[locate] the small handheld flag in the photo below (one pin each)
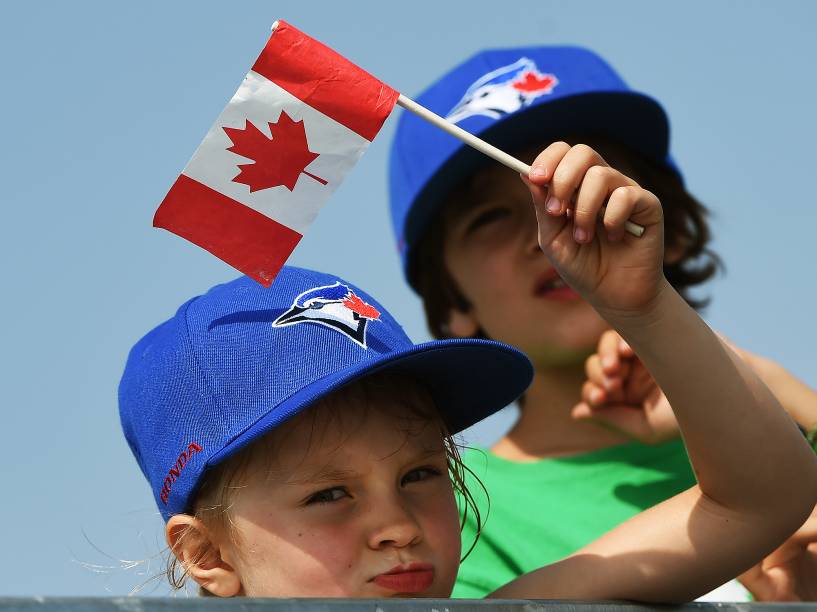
(300, 120)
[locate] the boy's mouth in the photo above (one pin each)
(408, 578)
(552, 287)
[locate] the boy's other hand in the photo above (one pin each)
(790, 572)
(621, 394)
(613, 270)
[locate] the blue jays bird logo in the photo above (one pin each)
(503, 91)
(335, 306)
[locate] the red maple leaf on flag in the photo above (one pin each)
(534, 82)
(279, 160)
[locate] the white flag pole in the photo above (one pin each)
(482, 146)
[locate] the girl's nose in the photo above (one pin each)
(394, 525)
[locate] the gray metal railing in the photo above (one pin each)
(140, 604)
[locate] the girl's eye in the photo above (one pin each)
(486, 217)
(420, 474)
(327, 496)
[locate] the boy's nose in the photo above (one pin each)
(532, 247)
(529, 232)
(394, 525)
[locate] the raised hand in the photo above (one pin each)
(613, 270)
(746, 502)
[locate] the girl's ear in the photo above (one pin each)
(201, 556)
(462, 324)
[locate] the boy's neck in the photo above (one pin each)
(545, 427)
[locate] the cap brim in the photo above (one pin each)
(468, 379)
(634, 119)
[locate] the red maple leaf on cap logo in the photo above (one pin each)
(355, 304)
(279, 160)
(535, 82)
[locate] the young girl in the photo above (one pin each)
(471, 249)
(297, 443)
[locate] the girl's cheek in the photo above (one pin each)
(308, 530)
(443, 534)
(335, 538)
(302, 561)
(322, 532)
(441, 519)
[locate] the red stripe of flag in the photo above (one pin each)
(237, 234)
(326, 81)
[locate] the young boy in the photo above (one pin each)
(469, 244)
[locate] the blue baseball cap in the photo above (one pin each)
(238, 361)
(512, 98)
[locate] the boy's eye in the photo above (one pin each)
(420, 474)
(327, 496)
(486, 217)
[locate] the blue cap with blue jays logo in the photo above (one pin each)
(512, 98)
(238, 361)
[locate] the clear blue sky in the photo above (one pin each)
(106, 101)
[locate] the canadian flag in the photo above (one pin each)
(300, 120)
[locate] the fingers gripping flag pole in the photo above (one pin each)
(298, 123)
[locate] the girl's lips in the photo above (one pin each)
(411, 578)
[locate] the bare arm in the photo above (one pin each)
(621, 393)
(757, 476)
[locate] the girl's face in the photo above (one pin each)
(361, 506)
(492, 254)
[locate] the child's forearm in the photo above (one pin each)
(725, 413)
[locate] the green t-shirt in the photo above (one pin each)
(545, 510)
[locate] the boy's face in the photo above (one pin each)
(361, 506)
(492, 253)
